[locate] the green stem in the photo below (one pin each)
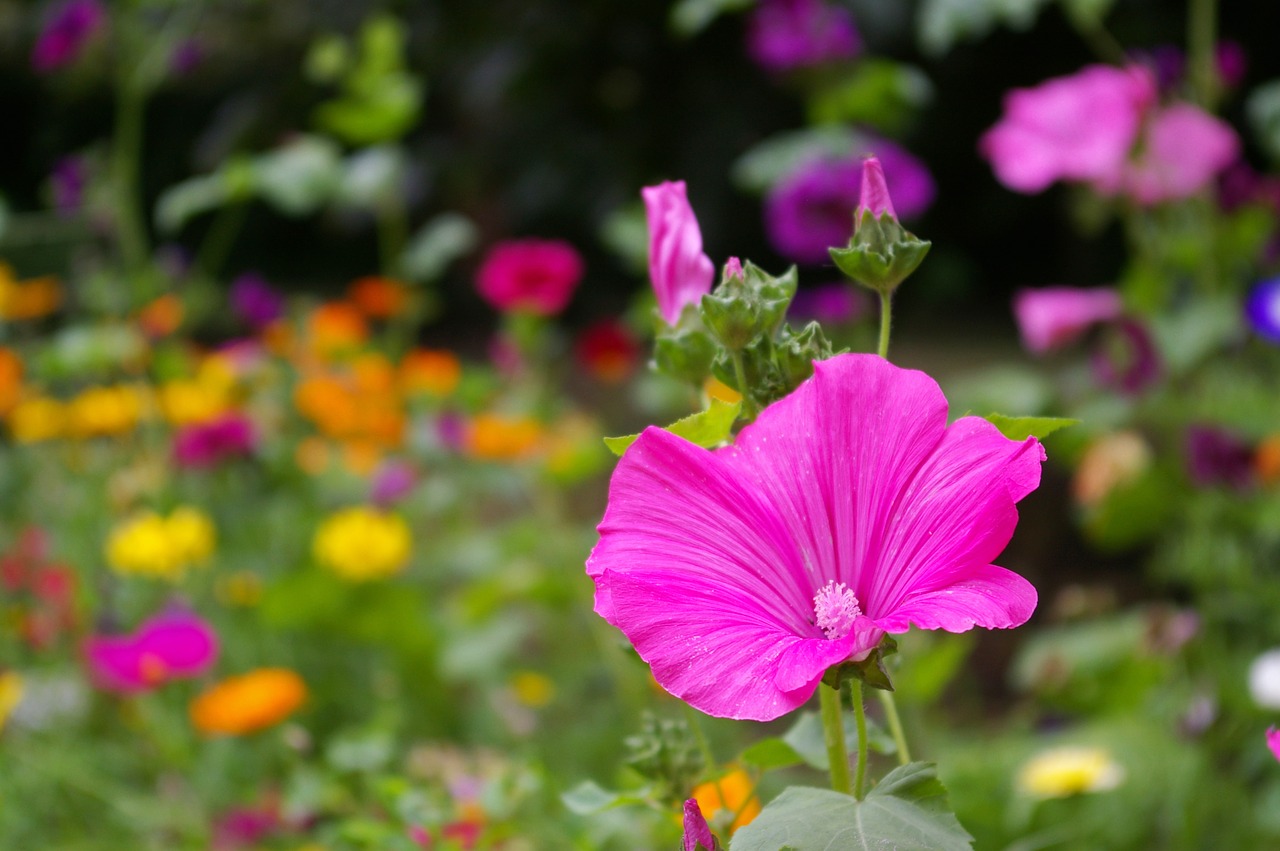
(895, 725)
(749, 411)
(393, 233)
(126, 155)
(886, 320)
(221, 235)
(833, 729)
(860, 716)
(1202, 35)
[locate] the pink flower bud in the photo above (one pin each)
(875, 192)
(681, 273)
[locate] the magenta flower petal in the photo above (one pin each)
(681, 273)
(697, 833)
(1184, 149)
(176, 644)
(1273, 741)
(847, 509)
(1051, 317)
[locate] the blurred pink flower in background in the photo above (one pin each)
(208, 443)
(533, 275)
(1051, 317)
(175, 644)
(1184, 148)
(786, 34)
(70, 28)
(680, 272)
(1273, 741)
(392, 482)
(255, 302)
(833, 303)
(847, 510)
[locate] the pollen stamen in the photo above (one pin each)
(835, 608)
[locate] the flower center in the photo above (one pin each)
(835, 608)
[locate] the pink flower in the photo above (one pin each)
(207, 443)
(874, 194)
(681, 273)
(786, 34)
(1273, 741)
(1184, 148)
(847, 510)
(1079, 127)
(73, 25)
(697, 833)
(175, 644)
(533, 275)
(1054, 316)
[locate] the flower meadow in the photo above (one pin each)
(706, 425)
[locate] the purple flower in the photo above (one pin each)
(1216, 456)
(172, 645)
(830, 304)
(1273, 741)
(255, 302)
(68, 180)
(1262, 310)
(811, 209)
(72, 26)
(205, 444)
(393, 481)
(681, 273)
(1126, 360)
(786, 34)
(697, 833)
(186, 57)
(1051, 317)
(847, 510)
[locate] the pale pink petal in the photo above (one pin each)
(1184, 149)
(681, 273)
(1051, 317)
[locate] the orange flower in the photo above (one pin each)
(494, 437)
(373, 373)
(248, 703)
(378, 297)
(734, 793)
(10, 380)
(1266, 459)
(161, 317)
(335, 328)
(29, 299)
(432, 372)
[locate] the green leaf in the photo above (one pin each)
(1020, 428)
(589, 798)
(300, 176)
(908, 811)
(1087, 13)
(943, 23)
(689, 17)
(706, 428)
(1263, 110)
(807, 739)
(877, 92)
(778, 156)
(436, 244)
(768, 754)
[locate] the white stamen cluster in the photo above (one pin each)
(835, 608)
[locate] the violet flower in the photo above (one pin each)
(175, 644)
(811, 209)
(681, 273)
(783, 35)
(847, 510)
(697, 833)
(72, 26)
(1126, 359)
(255, 302)
(1262, 310)
(68, 181)
(392, 482)
(830, 304)
(1216, 456)
(1051, 317)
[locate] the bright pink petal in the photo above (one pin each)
(114, 663)
(681, 273)
(874, 197)
(184, 644)
(1273, 741)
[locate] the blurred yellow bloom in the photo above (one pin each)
(10, 694)
(161, 547)
(106, 410)
(248, 703)
(336, 328)
(36, 419)
(494, 437)
(1266, 460)
(362, 543)
(188, 401)
(30, 299)
(1069, 770)
(533, 689)
(733, 793)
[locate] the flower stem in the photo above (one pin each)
(859, 715)
(126, 155)
(740, 373)
(895, 725)
(886, 319)
(833, 729)
(1202, 34)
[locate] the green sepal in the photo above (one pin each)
(881, 254)
(743, 308)
(685, 352)
(870, 670)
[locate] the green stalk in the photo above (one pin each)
(749, 411)
(1202, 36)
(126, 154)
(833, 730)
(895, 725)
(886, 320)
(860, 716)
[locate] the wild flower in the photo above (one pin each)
(176, 644)
(502, 437)
(531, 275)
(255, 302)
(1262, 310)
(22, 301)
(206, 444)
(247, 703)
(730, 799)
(161, 547)
(1273, 741)
(847, 510)
(378, 297)
(69, 30)
(361, 543)
(1069, 770)
(1051, 317)
(783, 35)
(608, 351)
(37, 418)
(430, 372)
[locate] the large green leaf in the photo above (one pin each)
(706, 428)
(908, 811)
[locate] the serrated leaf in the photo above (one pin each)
(908, 811)
(1020, 428)
(706, 428)
(768, 754)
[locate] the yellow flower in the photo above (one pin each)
(161, 547)
(734, 793)
(716, 389)
(248, 703)
(30, 299)
(1069, 770)
(533, 689)
(193, 401)
(10, 695)
(36, 419)
(362, 543)
(106, 410)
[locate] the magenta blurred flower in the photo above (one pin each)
(392, 482)
(1052, 317)
(1262, 310)
(173, 645)
(697, 833)
(1183, 149)
(786, 34)
(70, 28)
(829, 304)
(1126, 359)
(68, 181)
(245, 827)
(208, 443)
(1273, 741)
(1078, 127)
(681, 273)
(1216, 456)
(255, 302)
(846, 510)
(811, 209)
(533, 275)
